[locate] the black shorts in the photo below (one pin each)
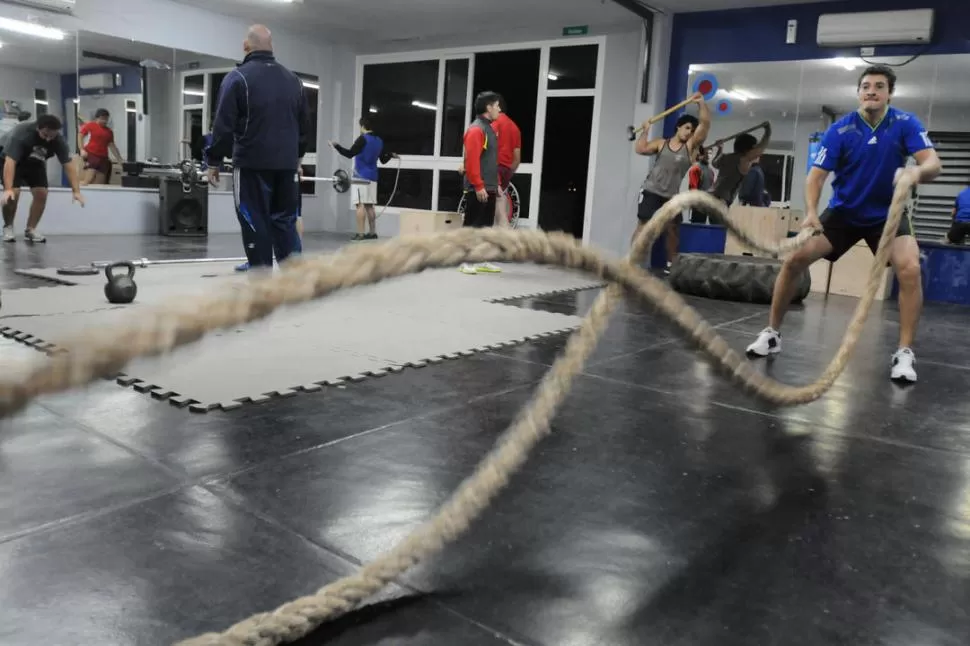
(958, 232)
(32, 173)
(843, 236)
(650, 203)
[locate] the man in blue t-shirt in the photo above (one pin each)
(960, 228)
(867, 150)
(367, 150)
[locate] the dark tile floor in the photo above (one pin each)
(667, 508)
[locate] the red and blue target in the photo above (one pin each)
(723, 107)
(706, 84)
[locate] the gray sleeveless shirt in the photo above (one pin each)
(668, 171)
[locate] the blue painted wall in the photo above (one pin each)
(758, 34)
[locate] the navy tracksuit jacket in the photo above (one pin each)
(262, 121)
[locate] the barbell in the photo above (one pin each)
(341, 180)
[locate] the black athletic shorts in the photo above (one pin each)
(843, 236)
(958, 232)
(650, 203)
(32, 173)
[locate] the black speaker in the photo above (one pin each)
(183, 213)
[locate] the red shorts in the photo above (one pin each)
(98, 164)
(504, 177)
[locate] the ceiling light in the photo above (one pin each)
(553, 77)
(373, 110)
(740, 95)
(40, 102)
(422, 104)
(193, 92)
(312, 86)
(31, 29)
(847, 63)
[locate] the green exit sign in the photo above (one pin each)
(578, 30)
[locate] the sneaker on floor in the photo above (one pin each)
(358, 236)
(667, 269)
(768, 342)
(370, 236)
(488, 268)
(243, 267)
(32, 236)
(903, 366)
(8, 235)
(465, 268)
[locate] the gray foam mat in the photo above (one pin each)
(355, 334)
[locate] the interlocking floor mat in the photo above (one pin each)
(352, 335)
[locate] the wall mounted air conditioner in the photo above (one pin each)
(56, 6)
(96, 81)
(910, 26)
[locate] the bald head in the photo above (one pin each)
(258, 39)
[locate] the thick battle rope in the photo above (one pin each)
(103, 352)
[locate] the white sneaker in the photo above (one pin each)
(488, 268)
(768, 342)
(32, 236)
(8, 235)
(465, 268)
(903, 365)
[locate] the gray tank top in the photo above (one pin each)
(668, 171)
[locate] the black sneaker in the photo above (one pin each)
(370, 236)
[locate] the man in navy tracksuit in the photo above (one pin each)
(262, 119)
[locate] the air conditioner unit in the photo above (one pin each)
(56, 6)
(96, 81)
(910, 26)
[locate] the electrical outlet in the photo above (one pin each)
(867, 51)
(791, 33)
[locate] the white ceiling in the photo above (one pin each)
(359, 22)
(779, 89)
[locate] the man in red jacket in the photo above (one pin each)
(481, 171)
(509, 158)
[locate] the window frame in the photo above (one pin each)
(438, 163)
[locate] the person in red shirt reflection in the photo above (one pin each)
(95, 152)
(509, 158)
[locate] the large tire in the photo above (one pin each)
(744, 279)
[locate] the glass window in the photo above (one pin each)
(573, 67)
(313, 100)
(450, 187)
(193, 90)
(523, 188)
(515, 75)
(401, 98)
(413, 188)
(215, 82)
(453, 124)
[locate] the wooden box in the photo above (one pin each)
(850, 273)
(765, 224)
(416, 222)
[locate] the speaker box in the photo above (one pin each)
(180, 213)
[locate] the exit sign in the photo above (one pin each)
(578, 30)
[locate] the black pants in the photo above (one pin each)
(958, 232)
(479, 215)
(267, 205)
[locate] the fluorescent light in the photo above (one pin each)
(740, 95)
(847, 63)
(40, 102)
(131, 110)
(553, 77)
(312, 86)
(30, 29)
(193, 92)
(373, 110)
(422, 104)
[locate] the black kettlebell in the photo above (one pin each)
(120, 288)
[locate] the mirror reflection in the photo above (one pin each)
(802, 99)
(36, 73)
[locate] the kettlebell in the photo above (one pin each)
(120, 288)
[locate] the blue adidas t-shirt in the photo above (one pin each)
(865, 160)
(962, 206)
(365, 162)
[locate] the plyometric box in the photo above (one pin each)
(357, 334)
